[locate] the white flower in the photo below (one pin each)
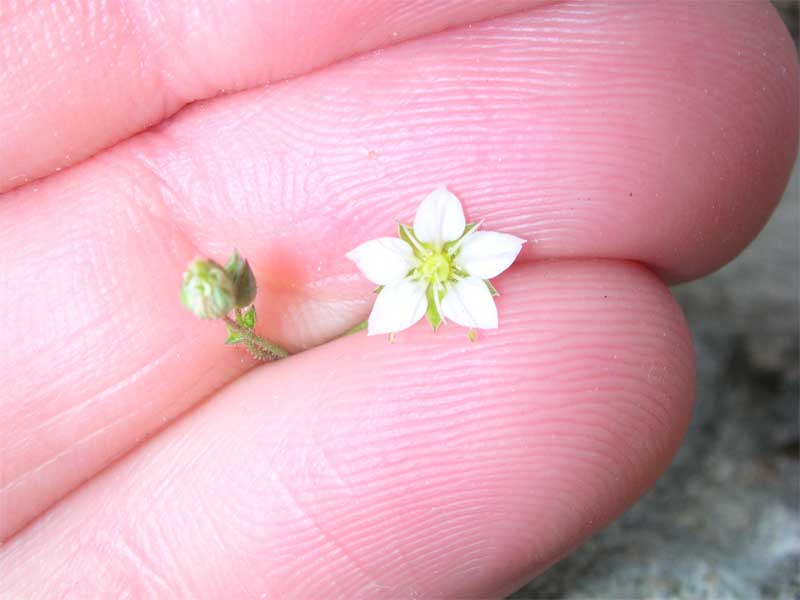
(439, 269)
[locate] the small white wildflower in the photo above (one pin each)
(439, 269)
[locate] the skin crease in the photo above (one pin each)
(543, 122)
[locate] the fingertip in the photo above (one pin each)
(541, 432)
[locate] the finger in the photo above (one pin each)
(76, 77)
(575, 136)
(433, 467)
(289, 177)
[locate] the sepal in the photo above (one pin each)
(244, 282)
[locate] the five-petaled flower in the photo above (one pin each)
(439, 268)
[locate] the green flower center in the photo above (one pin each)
(436, 266)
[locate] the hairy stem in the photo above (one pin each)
(257, 341)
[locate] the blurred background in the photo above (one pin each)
(724, 521)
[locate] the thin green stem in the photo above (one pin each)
(355, 329)
(256, 340)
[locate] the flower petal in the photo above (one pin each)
(486, 254)
(469, 303)
(439, 218)
(397, 307)
(384, 260)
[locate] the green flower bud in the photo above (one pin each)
(208, 290)
(244, 282)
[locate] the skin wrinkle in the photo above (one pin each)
(416, 472)
(162, 57)
(326, 537)
(74, 448)
(94, 398)
(366, 547)
(134, 560)
(213, 532)
(100, 394)
(403, 440)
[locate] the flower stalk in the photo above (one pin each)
(255, 343)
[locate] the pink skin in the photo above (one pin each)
(138, 63)
(660, 134)
(432, 464)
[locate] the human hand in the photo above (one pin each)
(633, 144)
